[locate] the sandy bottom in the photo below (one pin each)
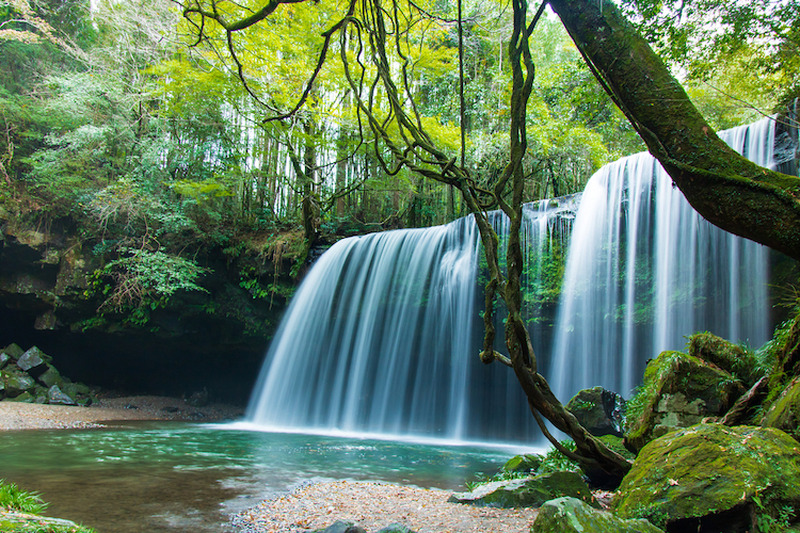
(16, 416)
(376, 505)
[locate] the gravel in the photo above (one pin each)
(375, 505)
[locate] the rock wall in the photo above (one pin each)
(213, 341)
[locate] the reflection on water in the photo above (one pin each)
(180, 477)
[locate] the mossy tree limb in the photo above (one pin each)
(724, 187)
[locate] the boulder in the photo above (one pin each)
(34, 361)
(13, 350)
(784, 413)
(599, 410)
(569, 515)
(16, 383)
(50, 377)
(711, 477)
(56, 396)
(523, 463)
(678, 391)
(527, 492)
(726, 355)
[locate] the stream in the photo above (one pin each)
(170, 477)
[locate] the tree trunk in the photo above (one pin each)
(724, 187)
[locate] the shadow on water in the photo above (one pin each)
(173, 477)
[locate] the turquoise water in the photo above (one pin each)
(169, 477)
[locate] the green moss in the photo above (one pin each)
(678, 390)
(710, 468)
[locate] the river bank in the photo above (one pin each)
(110, 408)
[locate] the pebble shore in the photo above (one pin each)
(19, 416)
(375, 505)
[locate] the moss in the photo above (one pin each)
(728, 356)
(565, 515)
(678, 390)
(785, 411)
(711, 469)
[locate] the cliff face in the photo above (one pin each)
(213, 341)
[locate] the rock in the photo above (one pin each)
(33, 361)
(50, 377)
(16, 383)
(726, 355)
(198, 398)
(599, 410)
(395, 528)
(712, 477)
(4, 359)
(56, 396)
(343, 526)
(565, 515)
(19, 521)
(523, 463)
(527, 492)
(784, 413)
(678, 391)
(25, 397)
(13, 350)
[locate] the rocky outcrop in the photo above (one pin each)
(29, 376)
(527, 492)
(213, 340)
(712, 477)
(679, 390)
(569, 515)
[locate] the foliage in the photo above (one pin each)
(12, 497)
(142, 281)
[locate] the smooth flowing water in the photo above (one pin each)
(384, 333)
(179, 477)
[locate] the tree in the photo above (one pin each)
(726, 188)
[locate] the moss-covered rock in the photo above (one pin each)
(784, 412)
(679, 390)
(16, 382)
(527, 492)
(599, 410)
(712, 477)
(566, 515)
(523, 463)
(728, 356)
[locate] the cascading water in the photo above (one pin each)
(645, 270)
(383, 334)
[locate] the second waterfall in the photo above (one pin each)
(383, 335)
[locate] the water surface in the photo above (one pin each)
(169, 477)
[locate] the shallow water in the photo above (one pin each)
(169, 477)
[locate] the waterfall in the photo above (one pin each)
(644, 270)
(383, 334)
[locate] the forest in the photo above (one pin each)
(173, 169)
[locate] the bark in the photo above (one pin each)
(724, 187)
